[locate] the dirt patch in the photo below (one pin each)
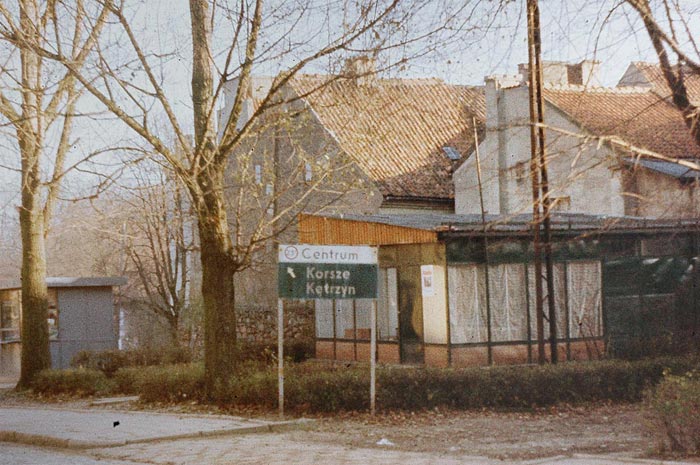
(599, 429)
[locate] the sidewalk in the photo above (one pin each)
(121, 437)
(83, 429)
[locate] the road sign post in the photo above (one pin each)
(373, 358)
(280, 355)
(327, 272)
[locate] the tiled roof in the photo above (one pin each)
(639, 117)
(395, 129)
(655, 78)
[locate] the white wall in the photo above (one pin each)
(578, 168)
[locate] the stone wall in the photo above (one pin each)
(258, 324)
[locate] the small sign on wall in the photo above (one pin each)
(427, 280)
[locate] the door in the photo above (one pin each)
(410, 315)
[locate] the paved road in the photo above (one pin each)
(14, 454)
(88, 437)
(267, 449)
(95, 428)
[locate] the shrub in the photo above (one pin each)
(106, 361)
(171, 383)
(296, 351)
(77, 382)
(109, 361)
(323, 388)
(328, 390)
(675, 410)
(126, 380)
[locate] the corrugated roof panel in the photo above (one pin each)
(665, 167)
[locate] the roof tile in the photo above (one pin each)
(395, 129)
(640, 117)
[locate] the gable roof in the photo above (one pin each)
(649, 74)
(639, 116)
(395, 129)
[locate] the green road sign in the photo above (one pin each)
(327, 281)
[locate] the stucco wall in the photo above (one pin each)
(657, 195)
(578, 168)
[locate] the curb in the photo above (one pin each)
(51, 441)
(632, 460)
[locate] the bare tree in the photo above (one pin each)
(133, 85)
(140, 228)
(158, 239)
(676, 38)
(40, 107)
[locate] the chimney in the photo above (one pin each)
(258, 87)
(553, 72)
(561, 74)
(584, 73)
(493, 95)
(361, 69)
(501, 93)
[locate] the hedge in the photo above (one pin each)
(675, 412)
(316, 388)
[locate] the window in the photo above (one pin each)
(344, 319)
(54, 314)
(9, 321)
(324, 318)
(561, 204)
(269, 191)
(520, 170)
(451, 153)
(308, 172)
(258, 174)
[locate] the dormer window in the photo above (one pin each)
(451, 152)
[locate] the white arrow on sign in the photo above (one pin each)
(290, 272)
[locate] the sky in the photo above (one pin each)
(572, 30)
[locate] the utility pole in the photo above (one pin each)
(535, 179)
(489, 335)
(540, 186)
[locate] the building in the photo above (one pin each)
(622, 151)
(623, 287)
(349, 142)
(622, 179)
(81, 317)
(620, 162)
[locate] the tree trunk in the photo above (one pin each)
(218, 269)
(35, 331)
(218, 265)
(174, 322)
